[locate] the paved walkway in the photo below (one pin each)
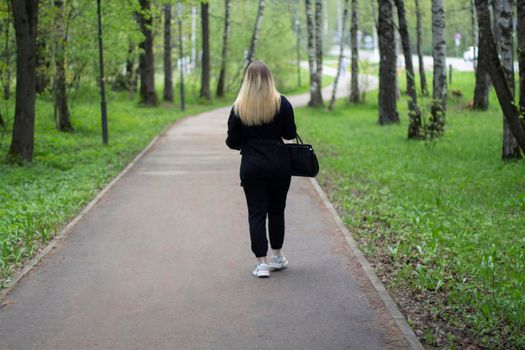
(163, 261)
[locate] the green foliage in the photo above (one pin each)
(444, 222)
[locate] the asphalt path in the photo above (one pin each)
(163, 261)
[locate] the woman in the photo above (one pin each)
(259, 120)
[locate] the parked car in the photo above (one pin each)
(471, 54)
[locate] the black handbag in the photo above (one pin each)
(303, 158)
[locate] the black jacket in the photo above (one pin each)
(262, 148)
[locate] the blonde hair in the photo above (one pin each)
(258, 100)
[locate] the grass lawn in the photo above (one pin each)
(443, 222)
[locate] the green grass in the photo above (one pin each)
(444, 221)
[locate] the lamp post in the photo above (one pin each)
(102, 82)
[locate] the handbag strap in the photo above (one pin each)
(298, 139)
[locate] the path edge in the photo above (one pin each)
(398, 317)
(67, 228)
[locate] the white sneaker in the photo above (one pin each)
(261, 270)
(278, 262)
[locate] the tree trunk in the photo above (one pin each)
(224, 57)
(521, 52)
(148, 95)
(205, 71)
(315, 89)
(131, 71)
(510, 149)
(43, 78)
(168, 69)
(422, 75)
(475, 35)
(414, 128)
(341, 51)
(481, 90)
(297, 26)
(387, 64)
(319, 50)
(25, 14)
(497, 74)
(181, 58)
(354, 80)
(193, 57)
(7, 59)
(439, 93)
(255, 36)
(496, 9)
(63, 121)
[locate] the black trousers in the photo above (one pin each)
(266, 198)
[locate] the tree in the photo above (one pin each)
(474, 29)
(319, 46)
(205, 71)
(510, 149)
(521, 53)
(387, 64)
(422, 75)
(43, 62)
(102, 82)
(341, 51)
(298, 56)
(439, 92)
(131, 71)
(6, 74)
(62, 115)
(497, 75)
(25, 15)
(316, 99)
(168, 69)
(414, 128)
(181, 57)
(354, 79)
(481, 89)
(148, 95)
(255, 36)
(224, 56)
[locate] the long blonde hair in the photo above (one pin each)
(258, 100)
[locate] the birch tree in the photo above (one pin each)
(148, 95)
(354, 79)
(419, 44)
(414, 128)
(316, 98)
(319, 48)
(521, 52)
(205, 71)
(341, 52)
(6, 72)
(62, 115)
(481, 88)
(439, 93)
(168, 67)
(255, 36)
(510, 147)
(387, 64)
(224, 56)
(497, 75)
(25, 15)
